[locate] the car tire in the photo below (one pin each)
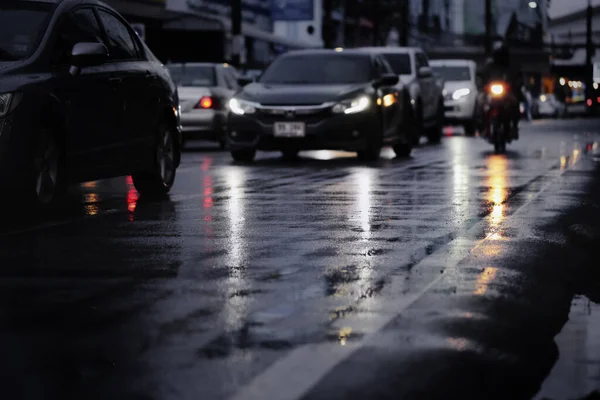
(403, 149)
(411, 131)
(419, 123)
(159, 179)
(46, 180)
(222, 144)
(374, 146)
(470, 128)
(243, 155)
(290, 154)
(434, 134)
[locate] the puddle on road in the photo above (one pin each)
(576, 373)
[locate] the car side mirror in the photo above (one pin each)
(88, 54)
(425, 72)
(388, 80)
(243, 81)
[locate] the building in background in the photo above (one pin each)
(568, 41)
(199, 30)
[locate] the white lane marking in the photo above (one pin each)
(292, 376)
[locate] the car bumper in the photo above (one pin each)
(203, 124)
(459, 110)
(338, 132)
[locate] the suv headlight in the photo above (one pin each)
(460, 93)
(241, 107)
(5, 100)
(352, 106)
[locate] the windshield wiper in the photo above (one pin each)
(6, 56)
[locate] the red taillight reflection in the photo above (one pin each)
(205, 102)
(132, 198)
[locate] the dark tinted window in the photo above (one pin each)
(400, 63)
(22, 24)
(193, 75)
(454, 73)
(121, 45)
(319, 69)
(79, 26)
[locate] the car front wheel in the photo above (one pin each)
(160, 178)
(47, 173)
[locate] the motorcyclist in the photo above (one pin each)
(499, 68)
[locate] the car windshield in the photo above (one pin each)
(22, 24)
(324, 69)
(453, 74)
(400, 63)
(193, 75)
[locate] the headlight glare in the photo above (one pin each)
(241, 107)
(5, 100)
(353, 106)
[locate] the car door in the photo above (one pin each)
(388, 98)
(139, 100)
(89, 97)
(428, 87)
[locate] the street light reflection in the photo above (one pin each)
(236, 306)
(460, 170)
(498, 193)
(91, 201)
(484, 280)
(364, 202)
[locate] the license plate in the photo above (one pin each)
(289, 129)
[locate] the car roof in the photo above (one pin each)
(389, 49)
(199, 64)
(452, 62)
(325, 52)
(44, 1)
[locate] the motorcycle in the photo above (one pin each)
(497, 116)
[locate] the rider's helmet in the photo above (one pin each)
(500, 54)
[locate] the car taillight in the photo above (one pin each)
(205, 103)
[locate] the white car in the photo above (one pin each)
(547, 105)
(460, 91)
(204, 92)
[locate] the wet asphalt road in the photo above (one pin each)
(446, 275)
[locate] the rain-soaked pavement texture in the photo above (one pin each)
(447, 275)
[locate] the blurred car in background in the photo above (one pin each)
(204, 92)
(250, 74)
(460, 92)
(416, 75)
(547, 105)
(321, 100)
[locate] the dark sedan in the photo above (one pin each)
(81, 98)
(320, 99)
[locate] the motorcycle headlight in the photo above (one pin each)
(352, 106)
(460, 93)
(497, 89)
(241, 107)
(5, 100)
